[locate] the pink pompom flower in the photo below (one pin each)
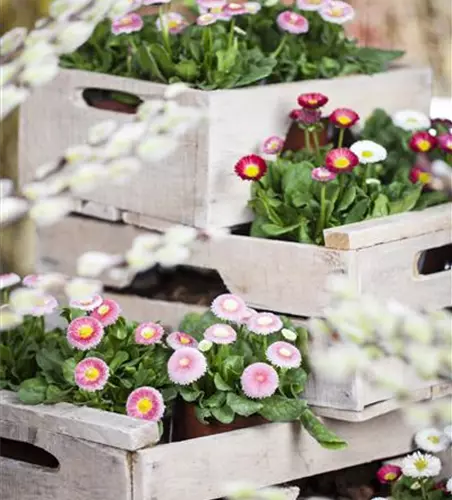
(312, 100)
(148, 333)
(9, 279)
(186, 365)
(234, 9)
(283, 355)
(264, 323)
(220, 334)
(174, 22)
(341, 160)
(389, 473)
(127, 24)
(337, 12)
(228, 307)
(206, 19)
(176, 340)
(273, 145)
(88, 304)
(85, 333)
(246, 316)
(344, 117)
(45, 304)
(259, 381)
(311, 4)
(422, 142)
(292, 22)
(145, 403)
(107, 313)
(91, 374)
(445, 142)
(322, 174)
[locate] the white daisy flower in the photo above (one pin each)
(172, 255)
(24, 300)
(12, 209)
(448, 431)
(449, 485)
(12, 40)
(9, 319)
(8, 280)
(139, 259)
(50, 210)
(72, 35)
(82, 289)
(180, 235)
(147, 242)
(431, 440)
(411, 120)
(421, 465)
(369, 151)
(93, 264)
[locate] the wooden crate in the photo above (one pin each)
(197, 185)
(114, 457)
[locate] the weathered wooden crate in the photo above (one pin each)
(197, 185)
(114, 457)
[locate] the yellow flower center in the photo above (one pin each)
(423, 145)
(285, 352)
(221, 333)
(251, 170)
(341, 162)
(125, 21)
(264, 321)
(434, 439)
(425, 177)
(411, 120)
(103, 310)
(344, 120)
(85, 331)
(184, 362)
(367, 154)
(184, 340)
(421, 463)
(315, 2)
(230, 305)
(336, 12)
(148, 333)
(312, 101)
(86, 302)
(144, 405)
(173, 24)
(92, 373)
(390, 476)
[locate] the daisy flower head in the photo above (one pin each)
(186, 365)
(388, 473)
(8, 280)
(431, 440)
(220, 334)
(32, 280)
(292, 22)
(449, 485)
(417, 174)
(422, 142)
(445, 142)
(88, 304)
(252, 7)
(148, 333)
(311, 4)
(127, 24)
(205, 345)
(306, 117)
(91, 374)
(228, 307)
(9, 319)
(46, 304)
(251, 168)
(211, 4)
(264, 323)
(107, 313)
(369, 151)
(283, 355)
(411, 120)
(289, 335)
(273, 145)
(234, 9)
(246, 316)
(174, 22)
(341, 160)
(206, 19)
(145, 403)
(312, 100)
(337, 12)
(344, 117)
(84, 333)
(259, 380)
(322, 174)
(420, 465)
(177, 340)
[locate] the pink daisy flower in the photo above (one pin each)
(292, 22)
(283, 355)
(312, 100)
(9, 279)
(259, 381)
(273, 145)
(311, 4)
(389, 473)
(251, 168)
(91, 374)
(422, 142)
(341, 160)
(337, 12)
(31, 280)
(246, 316)
(127, 24)
(228, 307)
(45, 305)
(176, 340)
(264, 323)
(186, 365)
(145, 403)
(173, 21)
(211, 4)
(252, 7)
(85, 333)
(234, 9)
(88, 304)
(306, 116)
(322, 174)
(206, 19)
(445, 142)
(148, 333)
(107, 313)
(220, 334)
(344, 117)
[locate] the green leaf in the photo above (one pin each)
(33, 391)
(282, 409)
(119, 332)
(68, 369)
(381, 206)
(358, 212)
(225, 414)
(380, 56)
(215, 401)
(120, 358)
(296, 379)
(55, 395)
(163, 59)
(149, 64)
(243, 406)
(190, 394)
(320, 432)
(234, 363)
(347, 198)
(5, 354)
(187, 70)
(220, 384)
(407, 202)
(202, 414)
(274, 230)
(49, 360)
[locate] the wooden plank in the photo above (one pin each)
(392, 228)
(265, 455)
(112, 429)
(86, 470)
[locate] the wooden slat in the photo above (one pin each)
(112, 429)
(392, 228)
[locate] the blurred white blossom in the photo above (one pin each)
(24, 300)
(12, 209)
(9, 319)
(180, 235)
(82, 289)
(93, 264)
(50, 210)
(6, 188)
(11, 97)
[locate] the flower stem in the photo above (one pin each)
(278, 49)
(340, 140)
(366, 175)
(165, 34)
(423, 492)
(307, 139)
(321, 219)
(231, 34)
(317, 147)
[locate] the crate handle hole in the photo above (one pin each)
(434, 260)
(111, 100)
(28, 453)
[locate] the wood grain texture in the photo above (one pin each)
(202, 189)
(96, 426)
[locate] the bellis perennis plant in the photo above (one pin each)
(237, 362)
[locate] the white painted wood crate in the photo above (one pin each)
(114, 457)
(197, 185)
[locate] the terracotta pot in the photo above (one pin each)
(295, 137)
(187, 426)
